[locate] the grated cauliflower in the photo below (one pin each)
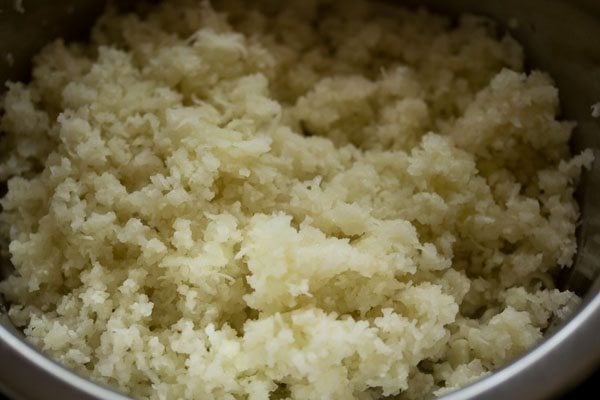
(303, 200)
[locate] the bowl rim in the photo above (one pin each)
(562, 359)
(552, 366)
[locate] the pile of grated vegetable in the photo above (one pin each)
(303, 200)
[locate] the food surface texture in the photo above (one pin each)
(286, 200)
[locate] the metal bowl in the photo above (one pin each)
(560, 37)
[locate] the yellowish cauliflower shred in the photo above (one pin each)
(304, 200)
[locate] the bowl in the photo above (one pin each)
(558, 37)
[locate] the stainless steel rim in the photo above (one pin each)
(27, 373)
(559, 361)
(543, 372)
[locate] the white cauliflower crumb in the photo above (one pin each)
(18, 6)
(10, 59)
(303, 200)
(596, 110)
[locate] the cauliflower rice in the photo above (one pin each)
(306, 200)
